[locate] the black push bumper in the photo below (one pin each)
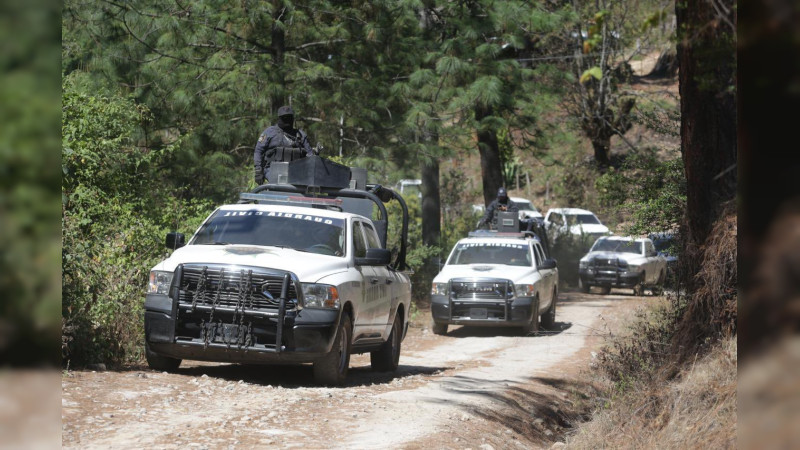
(617, 279)
(229, 323)
(482, 312)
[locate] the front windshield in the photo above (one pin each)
(616, 245)
(491, 253)
(302, 232)
(525, 206)
(575, 219)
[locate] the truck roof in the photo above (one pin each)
(570, 211)
(492, 236)
(291, 209)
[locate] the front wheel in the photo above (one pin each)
(638, 290)
(387, 358)
(331, 369)
(658, 288)
(532, 327)
(584, 287)
(549, 317)
(158, 362)
(439, 328)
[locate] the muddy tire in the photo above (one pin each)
(549, 317)
(158, 362)
(638, 290)
(583, 286)
(439, 328)
(387, 358)
(658, 288)
(331, 369)
(532, 327)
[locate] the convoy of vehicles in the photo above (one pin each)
(298, 272)
(290, 274)
(623, 262)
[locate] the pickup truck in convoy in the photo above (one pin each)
(496, 278)
(623, 262)
(296, 272)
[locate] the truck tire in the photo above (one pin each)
(583, 286)
(158, 362)
(549, 317)
(331, 369)
(658, 288)
(439, 328)
(532, 327)
(638, 289)
(387, 358)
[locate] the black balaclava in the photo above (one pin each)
(286, 123)
(502, 196)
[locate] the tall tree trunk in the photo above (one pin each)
(706, 55)
(491, 172)
(601, 148)
(431, 203)
(278, 49)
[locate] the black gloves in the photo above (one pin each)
(259, 176)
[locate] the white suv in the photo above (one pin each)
(496, 279)
(581, 224)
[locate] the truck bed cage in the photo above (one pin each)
(331, 198)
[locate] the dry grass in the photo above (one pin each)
(697, 409)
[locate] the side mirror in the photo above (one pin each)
(375, 257)
(175, 240)
(548, 263)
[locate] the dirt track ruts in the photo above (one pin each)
(474, 388)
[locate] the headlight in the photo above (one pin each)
(439, 289)
(159, 282)
(583, 264)
(320, 296)
(524, 290)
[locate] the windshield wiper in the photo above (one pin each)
(218, 243)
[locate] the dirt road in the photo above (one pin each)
(475, 388)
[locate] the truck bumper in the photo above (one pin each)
(489, 313)
(178, 331)
(619, 279)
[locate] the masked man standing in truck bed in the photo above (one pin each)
(501, 203)
(280, 142)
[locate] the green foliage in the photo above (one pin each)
(649, 191)
(115, 213)
(29, 178)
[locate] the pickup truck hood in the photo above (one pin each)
(630, 258)
(309, 267)
(588, 228)
(517, 274)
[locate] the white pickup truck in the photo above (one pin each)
(496, 279)
(284, 276)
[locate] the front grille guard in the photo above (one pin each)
(509, 288)
(239, 311)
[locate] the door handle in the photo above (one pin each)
(389, 281)
(374, 281)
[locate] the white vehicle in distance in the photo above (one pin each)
(496, 279)
(526, 208)
(623, 262)
(582, 225)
